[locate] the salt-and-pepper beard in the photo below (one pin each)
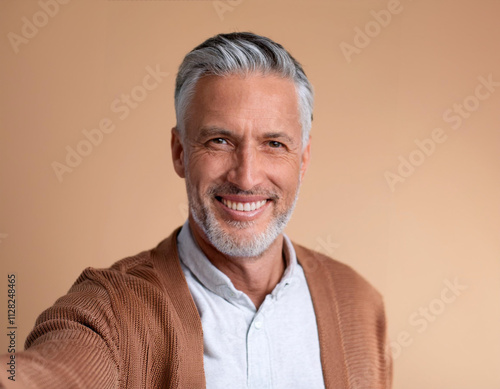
(252, 247)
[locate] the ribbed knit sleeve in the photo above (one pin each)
(70, 339)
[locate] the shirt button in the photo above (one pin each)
(258, 325)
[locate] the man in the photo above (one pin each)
(226, 301)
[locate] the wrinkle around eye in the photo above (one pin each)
(276, 147)
(217, 144)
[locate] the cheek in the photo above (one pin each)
(285, 176)
(205, 169)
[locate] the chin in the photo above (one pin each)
(235, 238)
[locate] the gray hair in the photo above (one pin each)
(241, 53)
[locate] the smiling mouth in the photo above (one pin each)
(242, 206)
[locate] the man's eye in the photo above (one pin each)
(275, 144)
(219, 141)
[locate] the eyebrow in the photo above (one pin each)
(279, 135)
(207, 132)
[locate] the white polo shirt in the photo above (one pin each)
(276, 346)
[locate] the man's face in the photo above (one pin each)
(243, 160)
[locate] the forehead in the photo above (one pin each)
(255, 98)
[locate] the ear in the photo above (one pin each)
(177, 153)
(306, 157)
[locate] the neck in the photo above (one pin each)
(255, 276)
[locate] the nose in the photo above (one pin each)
(246, 171)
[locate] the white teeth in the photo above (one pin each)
(246, 207)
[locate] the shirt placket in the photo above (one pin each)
(258, 348)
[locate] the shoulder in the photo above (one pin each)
(143, 271)
(133, 269)
(345, 280)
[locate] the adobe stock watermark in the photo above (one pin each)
(31, 26)
(122, 107)
(326, 245)
(3, 237)
(223, 6)
(453, 116)
(183, 210)
(424, 316)
(372, 29)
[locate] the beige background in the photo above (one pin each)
(438, 225)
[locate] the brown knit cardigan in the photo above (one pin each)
(135, 325)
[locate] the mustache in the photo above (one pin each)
(230, 189)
